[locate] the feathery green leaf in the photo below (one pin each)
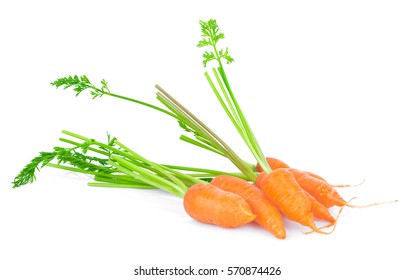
(211, 34)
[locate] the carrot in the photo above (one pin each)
(273, 163)
(209, 204)
(320, 190)
(267, 214)
(281, 188)
(318, 210)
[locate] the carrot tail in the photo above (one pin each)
(371, 204)
(332, 224)
(349, 186)
(310, 223)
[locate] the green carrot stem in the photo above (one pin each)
(148, 181)
(232, 114)
(100, 144)
(78, 144)
(183, 176)
(148, 177)
(199, 144)
(254, 145)
(159, 169)
(142, 103)
(117, 179)
(233, 117)
(120, 185)
(73, 169)
(209, 172)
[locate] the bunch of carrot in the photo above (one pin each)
(262, 194)
(300, 196)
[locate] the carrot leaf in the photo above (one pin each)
(211, 34)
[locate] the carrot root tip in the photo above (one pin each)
(350, 186)
(371, 204)
(332, 224)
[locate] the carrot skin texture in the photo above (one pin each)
(281, 188)
(273, 163)
(320, 190)
(267, 214)
(260, 179)
(209, 204)
(315, 176)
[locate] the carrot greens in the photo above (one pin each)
(211, 35)
(201, 135)
(113, 164)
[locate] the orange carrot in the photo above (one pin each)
(209, 204)
(281, 188)
(273, 163)
(320, 190)
(318, 210)
(325, 192)
(267, 214)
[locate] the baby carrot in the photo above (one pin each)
(281, 188)
(320, 190)
(209, 204)
(317, 209)
(267, 214)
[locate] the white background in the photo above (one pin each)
(326, 85)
